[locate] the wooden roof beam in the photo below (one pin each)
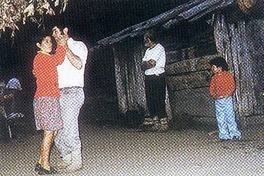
(198, 8)
(211, 9)
(138, 28)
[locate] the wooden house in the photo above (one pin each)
(193, 33)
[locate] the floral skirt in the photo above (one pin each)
(47, 113)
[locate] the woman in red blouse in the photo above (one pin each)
(46, 99)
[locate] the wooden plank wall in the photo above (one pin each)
(188, 86)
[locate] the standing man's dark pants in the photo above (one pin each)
(155, 94)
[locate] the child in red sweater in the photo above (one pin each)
(222, 87)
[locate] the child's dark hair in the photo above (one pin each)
(151, 34)
(219, 62)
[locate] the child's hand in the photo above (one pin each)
(223, 96)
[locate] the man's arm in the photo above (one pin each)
(74, 60)
(148, 64)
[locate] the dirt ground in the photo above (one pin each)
(115, 149)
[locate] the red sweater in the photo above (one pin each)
(45, 70)
(222, 84)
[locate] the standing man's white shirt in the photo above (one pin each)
(158, 54)
(70, 76)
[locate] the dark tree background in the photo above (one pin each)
(91, 21)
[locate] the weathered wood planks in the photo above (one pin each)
(190, 65)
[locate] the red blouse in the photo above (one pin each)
(45, 71)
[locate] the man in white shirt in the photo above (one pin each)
(71, 83)
(153, 65)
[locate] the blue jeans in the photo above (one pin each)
(226, 119)
(71, 101)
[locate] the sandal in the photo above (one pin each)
(43, 171)
(37, 167)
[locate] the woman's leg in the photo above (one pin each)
(45, 149)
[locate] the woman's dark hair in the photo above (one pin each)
(151, 35)
(219, 62)
(53, 41)
(54, 45)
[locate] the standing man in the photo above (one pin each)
(71, 83)
(153, 65)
